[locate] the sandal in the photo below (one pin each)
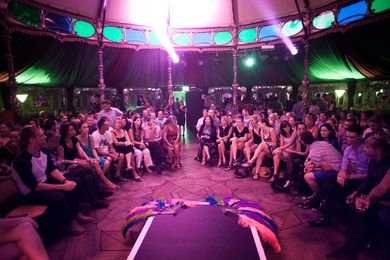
(203, 163)
(235, 162)
(219, 164)
(120, 178)
(255, 176)
(136, 177)
(304, 205)
(228, 167)
(179, 166)
(247, 165)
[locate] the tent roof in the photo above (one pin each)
(186, 13)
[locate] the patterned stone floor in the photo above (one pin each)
(103, 240)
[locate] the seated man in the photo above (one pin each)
(33, 169)
(103, 142)
(364, 220)
(353, 171)
(321, 166)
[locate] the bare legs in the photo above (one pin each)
(205, 154)
(221, 153)
(103, 178)
(129, 161)
(236, 145)
(26, 239)
(119, 166)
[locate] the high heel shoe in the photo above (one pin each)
(273, 178)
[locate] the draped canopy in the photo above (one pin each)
(360, 53)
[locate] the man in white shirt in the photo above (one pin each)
(160, 120)
(200, 120)
(103, 142)
(111, 113)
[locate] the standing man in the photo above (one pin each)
(110, 112)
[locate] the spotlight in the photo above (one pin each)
(249, 61)
(22, 97)
(293, 50)
(339, 92)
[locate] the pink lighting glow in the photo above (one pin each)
(266, 10)
(155, 13)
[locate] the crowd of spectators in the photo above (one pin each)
(70, 162)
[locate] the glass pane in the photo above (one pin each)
(378, 6)
(201, 39)
(323, 20)
(182, 39)
(292, 27)
(83, 29)
(247, 35)
(352, 12)
(135, 37)
(269, 32)
(153, 39)
(25, 14)
(58, 23)
(114, 34)
(221, 38)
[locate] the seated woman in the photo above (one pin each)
(224, 132)
(255, 138)
(266, 147)
(286, 136)
(141, 151)
(240, 136)
(153, 137)
(328, 134)
(171, 141)
(100, 164)
(293, 121)
(124, 146)
(69, 148)
(207, 136)
(295, 152)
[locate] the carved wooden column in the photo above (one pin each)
(170, 84)
(101, 84)
(9, 96)
(306, 82)
(235, 84)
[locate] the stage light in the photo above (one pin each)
(294, 50)
(339, 92)
(185, 88)
(159, 21)
(249, 61)
(22, 97)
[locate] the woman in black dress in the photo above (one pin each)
(181, 116)
(240, 136)
(207, 136)
(224, 133)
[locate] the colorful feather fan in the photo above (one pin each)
(250, 214)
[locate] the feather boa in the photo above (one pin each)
(249, 213)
